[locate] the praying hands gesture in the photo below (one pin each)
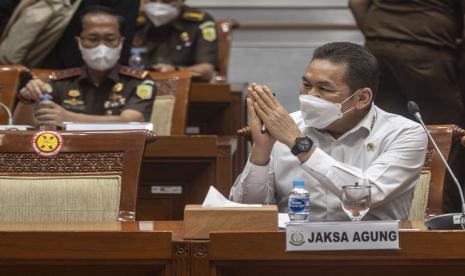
(265, 109)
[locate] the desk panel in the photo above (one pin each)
(77, 249)
(422, 252)
(126, 249)
(191, 164)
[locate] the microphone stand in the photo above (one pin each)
(10, 116)
(444, 221)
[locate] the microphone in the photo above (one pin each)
(8, 111)
(445, 221)
(414, 110)
(10, 125)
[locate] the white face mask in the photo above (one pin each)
(319, 113)
(160, 13)
(102, 57)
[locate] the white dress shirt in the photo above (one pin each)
(384, 150)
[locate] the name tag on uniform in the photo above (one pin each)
(324, 236)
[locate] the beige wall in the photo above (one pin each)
(279, 57)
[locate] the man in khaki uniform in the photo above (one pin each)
(415, 44)
(180, 38)
(100, 91)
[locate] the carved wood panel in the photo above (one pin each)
(167, 86)
(23, 163)
(428, 158)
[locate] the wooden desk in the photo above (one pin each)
(219, 109)
(191, 163)
(80, 249)
(127, 249)
(422, 253)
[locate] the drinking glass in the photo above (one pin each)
(356, 200)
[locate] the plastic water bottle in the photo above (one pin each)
(136, 58)
(45, 97)
(299, 202)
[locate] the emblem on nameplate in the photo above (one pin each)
(297, 239)
(47, 143)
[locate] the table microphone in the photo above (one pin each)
(445, 221)
(10, 117)
(10, 125)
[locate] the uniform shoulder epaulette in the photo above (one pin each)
(65, 74)
(193, 15)
(133, 72)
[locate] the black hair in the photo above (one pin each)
(362, 67)
(96, 9)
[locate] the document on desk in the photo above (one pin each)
(215, 199)
(84, 126)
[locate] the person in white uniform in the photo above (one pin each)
(339, 137)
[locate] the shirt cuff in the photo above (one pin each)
(252, 171)
(319, 161)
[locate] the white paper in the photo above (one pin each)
(283, 220)
(84, 126)
(215, 199)
(16, 127)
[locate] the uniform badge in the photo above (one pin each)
(184, 37)
(47, 143)
(47, 88)
(208, 31)
(149, 82)
(109, 112)
(74, 93)
(73, 102)
(118, 87)
(144, 91)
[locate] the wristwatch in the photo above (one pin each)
(302, 144)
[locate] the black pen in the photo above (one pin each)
(263, 129)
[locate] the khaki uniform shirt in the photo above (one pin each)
(433, 22)
(191, 39)
(125, 88)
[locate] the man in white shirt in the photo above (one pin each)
(338, 137)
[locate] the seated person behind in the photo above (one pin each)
(179, 38)
(349, 140)
(100, 91)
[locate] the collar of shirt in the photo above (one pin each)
(178, 22)
(113, 75)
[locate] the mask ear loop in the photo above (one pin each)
(353, 107)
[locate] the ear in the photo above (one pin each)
(364, 98)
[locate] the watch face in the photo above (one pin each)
(303, 145)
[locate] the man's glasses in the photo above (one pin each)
(94, 41)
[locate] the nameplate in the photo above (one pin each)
(324, 236)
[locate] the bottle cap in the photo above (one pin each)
(46, 97)
(298, 183)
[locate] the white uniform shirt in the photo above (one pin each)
(384, 150)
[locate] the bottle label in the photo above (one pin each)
(298, 205)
